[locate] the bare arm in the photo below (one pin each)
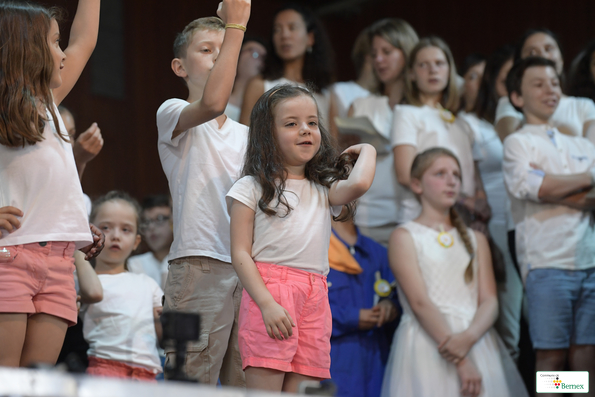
(157, 311)
(403, 262)
(219, 84)
(506, 126)
(360, 179)
(578, 201)
(277, 320)
(254, 90)
(404, 155)
(90, 287)
(333, 112)
(83, 37)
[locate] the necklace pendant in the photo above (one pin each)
(445, 239)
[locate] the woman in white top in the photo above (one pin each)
(391, 41)
(428, 122)
(574, 116)
(345, 92)
(301, 54)
(479, 113)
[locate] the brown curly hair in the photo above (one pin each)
(264, 160)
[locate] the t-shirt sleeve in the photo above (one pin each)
(404, 131)
(247, 191)
(586, 109)
(168, 115)
(505, 109)
(522, 181)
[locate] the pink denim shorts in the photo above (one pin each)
(38, 278)
(305, 296)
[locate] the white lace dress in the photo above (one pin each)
(415, 367)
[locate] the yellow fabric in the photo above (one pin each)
(340, 258)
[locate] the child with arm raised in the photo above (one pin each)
(448, 294)
(280, 230)
(38, 177)
(201, 152)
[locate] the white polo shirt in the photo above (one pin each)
(547, 235)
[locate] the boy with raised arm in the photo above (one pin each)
(548, 175)
(201, 151)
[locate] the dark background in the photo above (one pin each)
(129, 75)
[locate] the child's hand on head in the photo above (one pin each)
(8, 218)
(234, 11)
(88, 145)
(277, 321)
(92, 250)
(355, 150)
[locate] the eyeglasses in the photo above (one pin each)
(160, 220)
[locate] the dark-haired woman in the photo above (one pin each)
(301, 54)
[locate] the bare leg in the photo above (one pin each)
(582, 358)
(44, 339)
(293, 380)
(13, 327)
(550, 360)
(264, 379)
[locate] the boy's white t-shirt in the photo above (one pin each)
(201, 165)
(423, 128)
(42, 181)
(299, 240)
(121, 327)
(570, 116)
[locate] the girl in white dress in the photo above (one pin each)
(445, 344)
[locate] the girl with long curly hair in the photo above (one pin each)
(280, 232)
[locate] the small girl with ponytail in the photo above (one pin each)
(447, 290)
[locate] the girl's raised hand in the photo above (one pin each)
(8, 218)
(355, 150)
(277, 321)
(234, 11)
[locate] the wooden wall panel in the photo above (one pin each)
(129, 160)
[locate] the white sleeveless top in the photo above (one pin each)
(42, 181)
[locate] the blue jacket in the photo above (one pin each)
(358, 358)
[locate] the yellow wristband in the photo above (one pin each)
(235, 26)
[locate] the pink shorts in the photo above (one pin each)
(38, 278)
(118, 369)
(305, 296)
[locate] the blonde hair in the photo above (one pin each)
(184, 38)
(420, 165)
(450, 95)
(398, 33)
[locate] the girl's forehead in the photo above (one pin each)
(119, 210)
(430, 52)
(298, 104)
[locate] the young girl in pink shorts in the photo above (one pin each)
(42, 211)
(280, 232)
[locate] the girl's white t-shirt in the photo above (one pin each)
(423, 128)
(42, 181)
(121, 327)
(569, 117)
(299, 240)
